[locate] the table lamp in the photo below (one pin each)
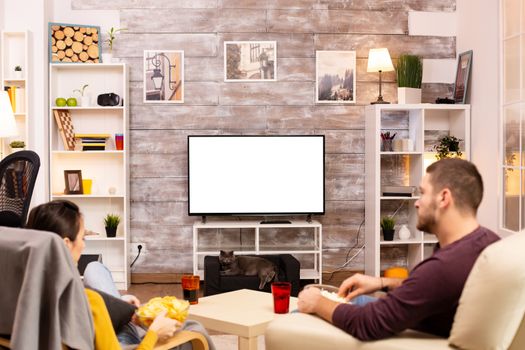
(379, 61)
(7, 120)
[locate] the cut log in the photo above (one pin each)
(93, 51)
(83, 56)
(77, 47)
(61, 54)
(74, 58)
(59, 34)
(61, 45)
(68, 41)
(78, 36)
(69, 52)
(88, 40)
(69, 32)
(54, 48)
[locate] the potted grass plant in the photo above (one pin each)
(111, 222)
(17, 146)
(388, 227)
(409, 75)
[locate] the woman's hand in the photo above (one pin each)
(164, 327)
(359, 284)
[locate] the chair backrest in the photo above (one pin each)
(491, 309)
(18, 173)
(42, 302)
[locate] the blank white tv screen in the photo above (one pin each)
(260, 175)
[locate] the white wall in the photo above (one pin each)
(478, 30)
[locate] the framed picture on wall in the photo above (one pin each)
(74, 43)
(335, 76)
(163, 76)
(250, 61)
(462, 76)
(73, 180)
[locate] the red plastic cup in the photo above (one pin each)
(281, 297)
(119, 142)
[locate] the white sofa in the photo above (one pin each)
(490, 313)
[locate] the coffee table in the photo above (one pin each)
(245, 313)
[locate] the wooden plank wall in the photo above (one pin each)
(300, 27)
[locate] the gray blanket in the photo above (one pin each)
(42, 301)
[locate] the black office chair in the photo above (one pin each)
(18, 172)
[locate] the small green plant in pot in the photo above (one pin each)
(448, 147)
(409, 76)
(110, 41)
(18, 72)
(388, 226)
(111, 221)
(17, 145)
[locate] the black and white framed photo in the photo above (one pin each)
(462, 76)
(250, 61)
(163, 76)
(335, 77)
(73, 180)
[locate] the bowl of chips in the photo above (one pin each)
(328, 291)
(175, 309)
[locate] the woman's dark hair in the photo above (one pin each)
(58, 216)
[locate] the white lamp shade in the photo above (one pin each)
(379, 60)
(7, 118)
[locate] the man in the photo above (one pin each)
(450, 194)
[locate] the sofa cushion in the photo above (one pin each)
(492, 305)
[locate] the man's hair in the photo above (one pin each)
(58, 216)
(462, 178)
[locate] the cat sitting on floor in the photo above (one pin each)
(232, 265)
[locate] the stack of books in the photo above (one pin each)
(92, 142)
(17, 98)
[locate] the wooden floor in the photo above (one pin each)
(146, 291)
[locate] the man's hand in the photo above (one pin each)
(133, 300)
(164, 327)
(359, 284)
(308, 300)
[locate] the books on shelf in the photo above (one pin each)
(92, 142)
(16, 97)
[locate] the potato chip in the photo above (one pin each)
(175, 309)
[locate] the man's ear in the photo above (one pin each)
(67, 241)
(445, 198)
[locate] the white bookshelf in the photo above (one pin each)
(15, 52)
(108, 169)
(422, 124)
(255, 245)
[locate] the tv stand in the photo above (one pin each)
(300, 238)
(269, 222)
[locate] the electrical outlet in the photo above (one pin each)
(135, 249)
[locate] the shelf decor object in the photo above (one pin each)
(462, 74)
(74, 43)
(335, 77)
(250, 61)
(65, 127)
(163, 76)
(409, 76)
(379, 61)
(392, 177)
(7, 120)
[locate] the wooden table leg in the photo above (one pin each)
(248, 343)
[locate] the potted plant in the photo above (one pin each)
(448, 147)
(17, 145)
(409, 75)
(111, 222)
(388, 226)
(106, 57)
(84, 97)
(18, 72)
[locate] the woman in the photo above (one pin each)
(64, 218)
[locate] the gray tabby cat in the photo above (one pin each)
(248, 266)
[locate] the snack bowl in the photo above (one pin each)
(327, 291)
(176, 309)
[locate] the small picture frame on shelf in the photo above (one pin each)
(462, 76)
(73, 182)
(252, 61)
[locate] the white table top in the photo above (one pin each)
(243, 312)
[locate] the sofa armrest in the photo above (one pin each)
(292, 269)
(212, 275)
(307, 332)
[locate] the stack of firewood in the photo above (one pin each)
(74, 44)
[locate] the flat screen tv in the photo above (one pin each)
(255, 175)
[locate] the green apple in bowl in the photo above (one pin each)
(60, 102)
(71, 102)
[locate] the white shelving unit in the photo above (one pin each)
(108, 169)
(423, 124)
(312, 247)
(15, 52)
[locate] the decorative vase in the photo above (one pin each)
(408, 95)
(388, 235)
(111, 231)
(84, 101)
(107, 57)
(19, 75)
(404, 232)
